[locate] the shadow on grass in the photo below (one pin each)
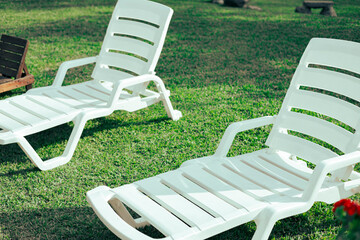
(59, 135)
(59, 224)
(54, 224)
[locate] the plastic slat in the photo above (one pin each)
(221, 189)
(240, 182)
(326, 105)
(18, 114)
(9, 123)
(126, 62)
(176, 204)
(106, 74)
(69, 91)
(293, 167)
(135, 29)
(34, 108)
(331, 52)
(204, 199)
(342, 60)
(300, 147)
(164, 221)
(279, 173)
(145, 15)
(100, 88)
(263, 179)
(56, 95)
(331, 81)
(51, 103)
(316, 127)
(85, 89)
(129, 45)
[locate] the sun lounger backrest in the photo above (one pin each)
(323, 102)
(12, 56)
(133, 41)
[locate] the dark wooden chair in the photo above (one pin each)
(13, 71)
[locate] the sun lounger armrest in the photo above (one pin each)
(237, 127)
(325, 167)
(124, 83)
(98, 199)
(65, 66)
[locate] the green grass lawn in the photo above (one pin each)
(221, 64)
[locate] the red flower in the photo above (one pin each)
(342, 202)
(351, 209)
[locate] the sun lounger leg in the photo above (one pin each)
(264, 228)
(173, 114)
(57, 161)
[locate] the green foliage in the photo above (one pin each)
(221, 64)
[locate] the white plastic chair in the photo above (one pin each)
(210, 195)
(123, 70)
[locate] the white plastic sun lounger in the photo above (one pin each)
(210, 195)
(123, 70)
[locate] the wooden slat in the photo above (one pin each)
(18, 114)
(9, 123)
(13, 40)
(176, 204)
(8, 71)
(9, 64)
(299, 147)
(12, 48)
(9, 84)
(10, 56)
(206, 200)
(326, 105)
(221, 189)
(164, 221)
(36, 109)
(4, 80)
(51, 104)
(135, 29)
(316, 127)
(336, 82)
